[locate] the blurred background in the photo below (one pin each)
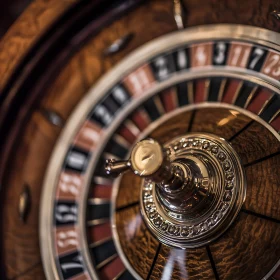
(10, 10)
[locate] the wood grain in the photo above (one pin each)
(28, 28)
(34, 273)
(255, 143)
(248, 250)
(129, 189)
(21, 246)
(172, 128)
(138, 244)
(182, 264)
(222, 122)
(250, 12)
(263, 188)
(67, 89)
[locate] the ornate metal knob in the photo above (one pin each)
(148, 159)
(195, 187)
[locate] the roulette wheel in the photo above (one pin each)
(140, 140)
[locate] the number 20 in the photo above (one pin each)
(273, 66)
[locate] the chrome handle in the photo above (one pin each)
(148, 159)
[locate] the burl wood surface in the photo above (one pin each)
(254, 143)
(263, 188)
(138, 244)
(249, 12)
(174, 127)
(248, 250)
(178, 264)
(26, 31)
(129, 189)
(33, 273)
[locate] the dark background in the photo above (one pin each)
(9, 12)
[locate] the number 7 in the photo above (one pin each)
(258, 54)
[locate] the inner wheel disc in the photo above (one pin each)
(220, 223)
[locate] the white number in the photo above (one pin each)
(220, 57)
(120, 95)
(102, 113)
(76, 263)
(65, 213)
(245, 57)
(91, 134)
(139, 80)
(258, 54)
(237, 52)
(182, 59)
(161, 64)
(273, 62)
(68, 238)
(200, 55)
(76, 160)
(70, 183)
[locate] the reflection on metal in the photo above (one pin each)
(193, 189)
(251, 96)
(222, 89)
(276, 14)
(119, 275)
(24, 203)
(207, 203)
(108, 260)
(53, 117)
(190, 92)
(121, 141)
(274, 116)
(207, 88)
(116, 167)
(102, 181)
(98, 201)
(119, 44)
(100, 242)
(132, 127)
(266, 103)
(97, 222)
(149, 160)
(237, 92)
(179, 14)
(146, 158)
